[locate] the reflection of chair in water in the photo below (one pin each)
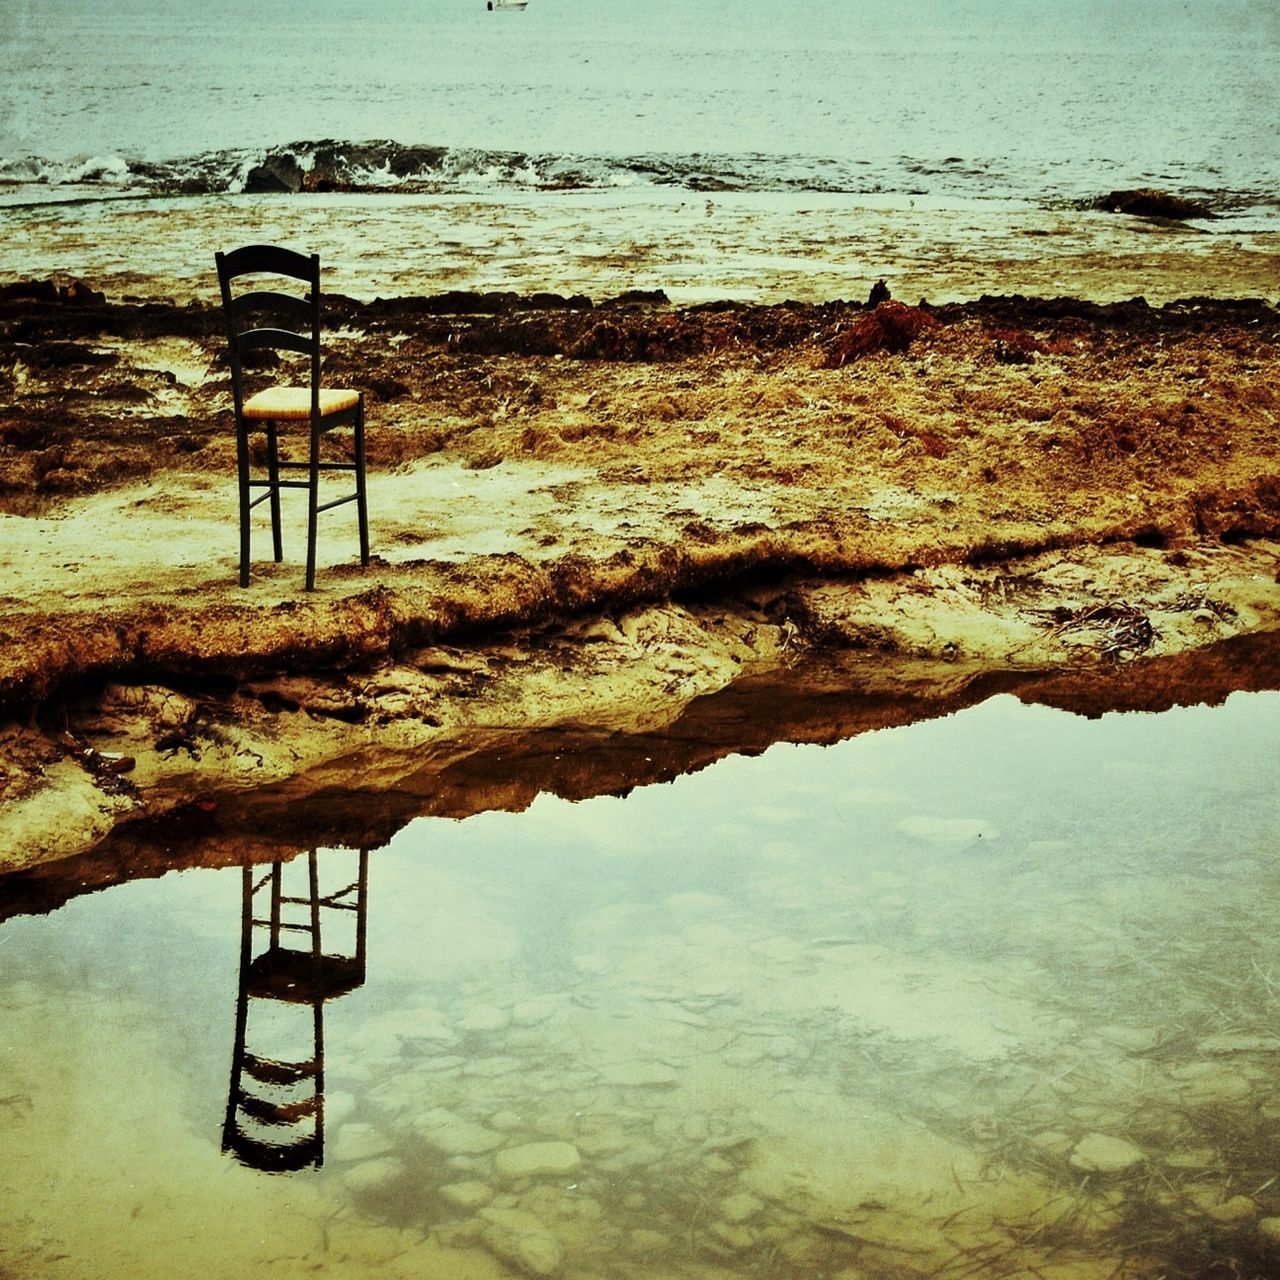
(275, 1105)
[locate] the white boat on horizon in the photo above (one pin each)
(507, 4)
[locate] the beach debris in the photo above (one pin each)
(891, 327)
(1015, 346)
(103, 764)
(1125, 629)
(1204, 608)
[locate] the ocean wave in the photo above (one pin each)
(329, 165)
(379, 166)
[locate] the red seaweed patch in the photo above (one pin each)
(891, 327)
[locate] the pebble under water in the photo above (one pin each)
(990, 995)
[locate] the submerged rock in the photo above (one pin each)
(653, 1075)
(529, 1013)
(1101, 1153)
(1211, 1083)
(1234, 1209)
(536, 1159)
(740, 1206)
(469, 1194)
(519, 1238)
(645, 1240)
(373, 1177)
(1228, 1042)
(734, 1234)
(452, 1135)
(358, 1141)
(485, 1017)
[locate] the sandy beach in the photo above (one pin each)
(791, 793)
(592, 517)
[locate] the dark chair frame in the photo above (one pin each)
(302, 314)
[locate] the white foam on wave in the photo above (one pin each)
(113, 169)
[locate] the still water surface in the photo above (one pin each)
(992, 995)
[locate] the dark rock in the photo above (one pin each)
(641, 297)
(879, 293)
(1148, 202)
(81, 294)
(276, 173)
(67, 355)
(558, 302)
(29, 291)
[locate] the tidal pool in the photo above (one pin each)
(989, 995)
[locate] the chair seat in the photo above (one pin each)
(295, 403)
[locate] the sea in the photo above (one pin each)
(749, 147)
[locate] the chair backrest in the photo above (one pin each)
(265, 318)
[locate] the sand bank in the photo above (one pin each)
(589, 518)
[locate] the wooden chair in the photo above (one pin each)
(267, 319)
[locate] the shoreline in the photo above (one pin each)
(758, 248)
(360, 797)
(599, 516)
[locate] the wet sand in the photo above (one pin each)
(592, 515)
(759, 247)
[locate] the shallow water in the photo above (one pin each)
(970, 997)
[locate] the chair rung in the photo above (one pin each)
(282, 924)
(271, 1071)
(275, 1156)
(292, 484)
(282, 1113)
(337, 502)
(323, 466)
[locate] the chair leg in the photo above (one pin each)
(242, 472)
(273, 474)
(313, 498)
(362, 502)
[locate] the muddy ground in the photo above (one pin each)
(610, 521)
